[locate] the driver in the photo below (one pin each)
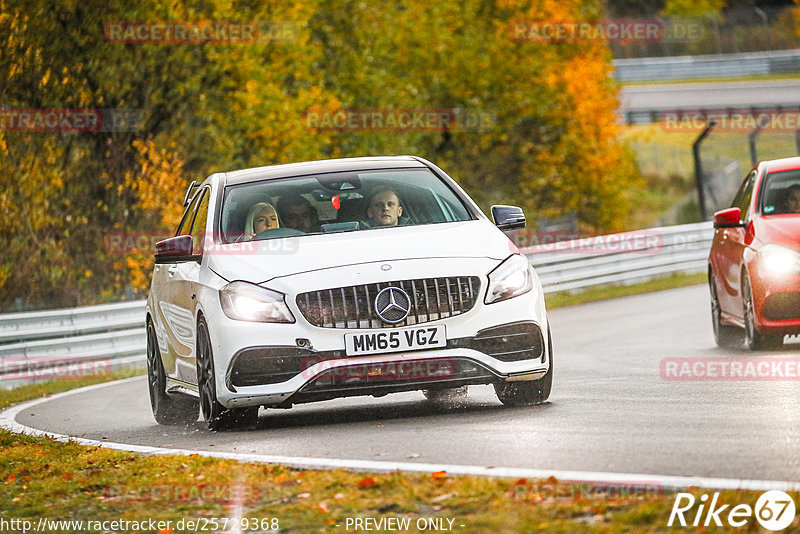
(262, 216)
(384, 209)
(792, 201)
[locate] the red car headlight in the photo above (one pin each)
(776, 260)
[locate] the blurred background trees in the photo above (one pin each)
(551, 144)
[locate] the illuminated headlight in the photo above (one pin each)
(778, 260)
(248, 302)
(511, 278)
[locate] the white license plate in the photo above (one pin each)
(395, 340)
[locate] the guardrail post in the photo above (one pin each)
(698, 168)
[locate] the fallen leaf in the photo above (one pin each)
(367, 482)
(323, 507)
(438, 475)
(552, 480)
(281, 478)
(11, 478)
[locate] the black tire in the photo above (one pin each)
(726, 336)
(446, 395)
(531, 392)
(167, 410)
(216, 416)
(754, 339)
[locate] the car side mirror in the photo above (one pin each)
(729, 218)
(508, 217)
(175, 249)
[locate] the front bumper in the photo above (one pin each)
(304, 363)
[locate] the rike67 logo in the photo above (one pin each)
(774, 510)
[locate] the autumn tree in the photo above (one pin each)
(551, 145)
(206, 107)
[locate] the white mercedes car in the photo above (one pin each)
(364, 276)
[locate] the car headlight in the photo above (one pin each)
(244, 301)
(511, 278)
(778, 260)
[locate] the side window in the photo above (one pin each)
(184, 228)
(745, 194)
(199, 225)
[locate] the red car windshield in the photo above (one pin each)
(780, 193)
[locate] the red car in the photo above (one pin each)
(754, 265)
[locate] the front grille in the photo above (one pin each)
(783, 306)
(256, 366)
(354, 306)
(511, 342)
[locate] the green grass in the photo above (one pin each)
(593, 294)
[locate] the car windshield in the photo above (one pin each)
(337, 202)
(781, 193)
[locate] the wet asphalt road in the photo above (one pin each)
(610, 411)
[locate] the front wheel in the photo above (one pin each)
(217, 417)
(531, 392)
(755, 340)
(167, 410)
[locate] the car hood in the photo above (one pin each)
(262, 261)
(780, 229)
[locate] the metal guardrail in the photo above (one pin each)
(41, 345)
(69, 322)
(624, 258)
(651, 69)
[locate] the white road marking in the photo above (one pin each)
(8, 421)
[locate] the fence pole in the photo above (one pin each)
(752, 140)
(698, 168)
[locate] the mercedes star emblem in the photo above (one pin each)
(392, 305)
